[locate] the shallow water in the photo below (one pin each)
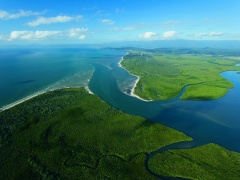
(24, 72)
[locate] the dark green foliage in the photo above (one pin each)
(70, 134)
(206, 162)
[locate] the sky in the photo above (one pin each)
(103, 21)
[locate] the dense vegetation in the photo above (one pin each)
(206, 162)
(70, 134)
(163, 75)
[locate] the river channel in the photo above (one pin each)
(215, 121)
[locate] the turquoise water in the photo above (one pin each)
(24, 72)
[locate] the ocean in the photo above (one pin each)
(25, 72)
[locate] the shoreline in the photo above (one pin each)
(3, 108)
(135, 84)
(88, 90)
(8, 106)
(21, 100)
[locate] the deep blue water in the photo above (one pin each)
(24, 72)
(214, 121)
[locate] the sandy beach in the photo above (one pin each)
(88, 90)
(135, 84)
(119, 63)
(21, 100)
(34, 95)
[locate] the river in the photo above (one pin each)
(215, 121)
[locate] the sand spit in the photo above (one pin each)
(34, 95)
(135, 84)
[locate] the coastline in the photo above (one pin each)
(135, 84)
(88, 90)
(119, 63)
(8, 106)
(21, 100)
(35, 95)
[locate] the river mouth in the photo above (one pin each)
(214, 121)
(204, 121)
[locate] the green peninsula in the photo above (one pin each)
(164, 73)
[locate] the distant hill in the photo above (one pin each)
(228, 44)
(221, 44)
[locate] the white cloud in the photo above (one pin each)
(123, 29)
(33, 35)
(200, 35)
(18, 34)
(56, 19)
(81, 37)
(208, 34)
(107, 21)
(7, 15)
(74, 32)
(77, 32)
(148, 35)
(3, 14)
(169, 34)
(216, 33)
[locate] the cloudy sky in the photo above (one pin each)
(100, 21)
